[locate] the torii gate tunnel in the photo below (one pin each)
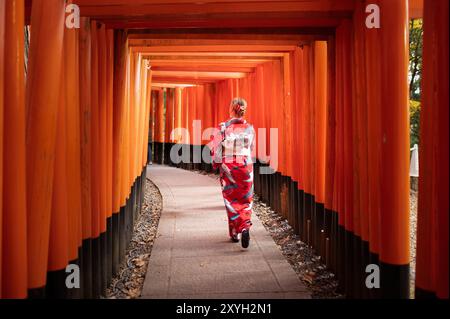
(322, 77)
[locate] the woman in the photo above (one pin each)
(231, 151)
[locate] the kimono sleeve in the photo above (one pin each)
(216, 147)
(252, 143)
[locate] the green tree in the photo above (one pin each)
(414, 121)
(415, 76)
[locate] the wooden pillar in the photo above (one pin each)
(374, 137)
(159, 126)
(65, 231)
(348, 164)
(394, 218)
(140, 79)
(141, 113)
(119, 87)
(109, 65)
(73, 139)
(433, 209)
(337, 189)
(125, 160)
(109, 39)
(120, 65)
(170, 102)
(96, 204)
(85, 153)
(330, 161)
(277, 96)
(47, 21)
(293, 177)
(85, 125)
(58, 254)
(134, 68)
(109, 119)
(14, 250)
(311, 128)
(345, 165)
(178, 112)
(186, 113)
(320, 129)
(102, 150)
(209, 107)
(192, 117)
(306, 134)
(126, 140)
(320, 105)
(147, 120)
(193, 111)
(299, 140)
(95, 133)
(102, 118)
(259, 108)
(286, 131)
(361, 151)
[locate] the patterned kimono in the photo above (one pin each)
(231, 151)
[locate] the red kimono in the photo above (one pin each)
(231, 151)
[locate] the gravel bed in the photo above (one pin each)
(412, 243)
(306, 264)
(129, 281)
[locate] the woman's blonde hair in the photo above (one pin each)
(239, 106)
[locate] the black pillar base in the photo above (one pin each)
(424, 294)
(56, 285)
(115, 219)
(122, 235)
(109, 248)
(96, 268)
(86, 274)
(394, 281)
(37, 293)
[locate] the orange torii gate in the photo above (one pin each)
(75, 130)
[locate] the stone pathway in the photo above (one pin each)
(193, 258)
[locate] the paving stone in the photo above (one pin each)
(193, 257)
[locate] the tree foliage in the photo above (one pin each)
(414, 107)
(415, 76)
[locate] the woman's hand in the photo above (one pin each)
(225, 169)
(227, 172)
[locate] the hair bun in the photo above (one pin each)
(239, 106)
